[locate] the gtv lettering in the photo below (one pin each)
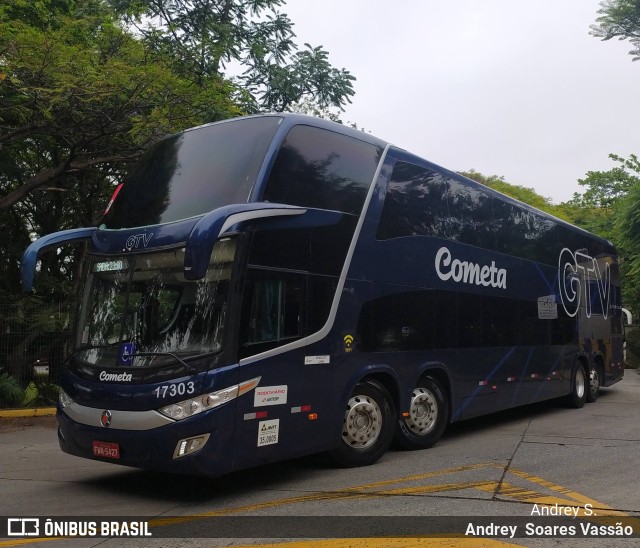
(468, 272)
(578, 273)
(138, 240)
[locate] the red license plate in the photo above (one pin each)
(106, 450)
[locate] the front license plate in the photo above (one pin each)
(106, 450)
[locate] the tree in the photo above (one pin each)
(609, 208)
(627, 223)
(605, 192)
(208, 38)
(619, 19)
(80, 99)
(78, 92)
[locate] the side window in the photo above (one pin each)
(279, 307)
(415, 204)
(322, 169)
(273, 309)
(418, 320)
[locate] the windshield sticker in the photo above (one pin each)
(125, 355)
(268, 432)
(270, 395)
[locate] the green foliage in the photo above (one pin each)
(11, 395)
(609, 208)
(209, 37)
(40, 394)
(633, 347)
(627, 225)
(30, 395)
(619, 19)
(80, 99)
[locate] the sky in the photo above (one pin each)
(512, 88)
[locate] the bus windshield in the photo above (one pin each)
(143, 303)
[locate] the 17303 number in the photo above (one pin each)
(176, 389)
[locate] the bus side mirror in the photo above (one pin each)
(210, 227)
(30, 256)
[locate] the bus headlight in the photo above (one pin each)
(63, 399)
(194, 406)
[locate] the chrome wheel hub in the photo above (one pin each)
(362, 422)
(423, 412)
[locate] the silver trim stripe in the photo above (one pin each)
(324, 331)
(120, 420)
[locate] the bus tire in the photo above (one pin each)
(595, 381)
(367, 428)
(428, 416)
(579, 387)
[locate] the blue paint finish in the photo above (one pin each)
(405, 314)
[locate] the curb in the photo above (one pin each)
(37, 412)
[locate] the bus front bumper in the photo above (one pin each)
(192, 446)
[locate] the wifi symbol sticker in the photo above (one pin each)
(348, 343)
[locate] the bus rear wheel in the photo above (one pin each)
(595, 381)
(579, 387)
(427, 417)
(367, 428)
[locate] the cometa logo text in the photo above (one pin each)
(115, 377)
(468, 272)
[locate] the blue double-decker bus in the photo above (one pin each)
(273, 286)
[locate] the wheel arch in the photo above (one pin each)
(387, 378)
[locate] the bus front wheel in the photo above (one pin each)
(367, 428)
(579, 387)
(427, 416)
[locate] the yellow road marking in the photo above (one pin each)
(501, 490)
(390, 543)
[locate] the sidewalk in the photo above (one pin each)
(28, 412)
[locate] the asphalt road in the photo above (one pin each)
(501, 471)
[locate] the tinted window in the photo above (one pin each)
(321, 250)
(418, 320)
(280, 307)
(424, 320)
(322, 169)
(193, 173)
(415, 204)
(471, 215)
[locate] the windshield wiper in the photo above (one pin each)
(92, 347)
(187, 366)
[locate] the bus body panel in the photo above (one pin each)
(377, 265)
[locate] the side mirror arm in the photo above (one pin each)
(30, 256)
(214, 224)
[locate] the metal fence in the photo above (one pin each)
(33, 344)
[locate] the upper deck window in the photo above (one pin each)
(322, 169)
(194, 172)
(415, 204)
